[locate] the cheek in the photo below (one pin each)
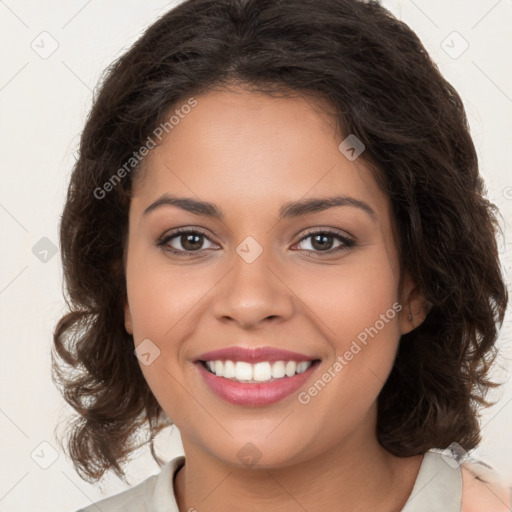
(160, 298)
(359, 309)
(163, 304)
(350, 299)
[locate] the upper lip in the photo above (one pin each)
(253, 355)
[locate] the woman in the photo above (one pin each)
(276, 238)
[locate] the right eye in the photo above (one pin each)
(190, 240)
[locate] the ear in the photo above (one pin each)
(128, 319)
(414, 305)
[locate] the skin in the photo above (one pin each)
(484, 492)
(249, 154)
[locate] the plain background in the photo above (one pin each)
(44, 100)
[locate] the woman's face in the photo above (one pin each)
(254, 279)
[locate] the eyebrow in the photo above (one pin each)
(288, 210)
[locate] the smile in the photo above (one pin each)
(258, 384)
(265, 371)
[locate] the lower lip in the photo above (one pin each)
(266, 393)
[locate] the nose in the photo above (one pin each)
(253, 294)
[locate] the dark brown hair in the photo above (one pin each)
(383, 87)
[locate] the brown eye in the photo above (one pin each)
(191, 242)
(184, 241)
(323, 242)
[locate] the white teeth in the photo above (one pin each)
(302, 366)
(229, 370)
(243, 371)
(291, 367)
(262, 372)
(258, 372)
(278, 370)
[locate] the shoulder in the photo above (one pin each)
(482, 491)
(130, 500)
(155, 492)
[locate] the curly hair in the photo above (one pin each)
(384, 88)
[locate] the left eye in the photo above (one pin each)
(321, 241)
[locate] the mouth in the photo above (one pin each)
(254, 373)
(255, 384)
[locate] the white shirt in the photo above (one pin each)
(438, 487)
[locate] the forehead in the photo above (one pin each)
(247, 149)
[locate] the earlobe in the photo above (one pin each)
(415, 306)
(128, 319)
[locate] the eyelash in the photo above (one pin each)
(164, 240)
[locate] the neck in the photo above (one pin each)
(355, 477)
